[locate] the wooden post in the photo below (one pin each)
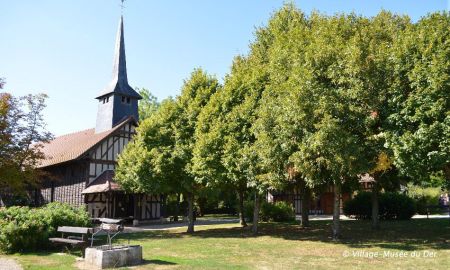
(108, 208)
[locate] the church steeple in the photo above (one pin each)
(119, 83)
(118, 100)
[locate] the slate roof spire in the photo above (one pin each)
(119, 83)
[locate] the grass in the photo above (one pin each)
(283, 246)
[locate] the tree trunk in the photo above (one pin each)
(190, 199)
(177, 208)
(375, 207)
(306, 198)
(241, 208)
(336, 211)
(256, 214)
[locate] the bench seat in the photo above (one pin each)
(67, 241)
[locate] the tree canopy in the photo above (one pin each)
(148, 105)
(420, 133)
(22, 132)
(159, 159)
(318, 101)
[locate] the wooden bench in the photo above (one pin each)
(76, 237)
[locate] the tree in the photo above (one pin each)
(22, 133)
(225, 153)
(218, 139)
(146, 164)
(368, 71)
(195, 94)
(278, 133)
(148, 105)
(327, 118)
(420, 123)
(159, 159)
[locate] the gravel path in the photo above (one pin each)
(9, 264)
(176, 225)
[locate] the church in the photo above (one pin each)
(79, 167)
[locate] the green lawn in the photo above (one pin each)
(284, 246)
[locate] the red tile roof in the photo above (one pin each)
(72, 146)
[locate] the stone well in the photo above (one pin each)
(117, 256)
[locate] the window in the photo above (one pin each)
(126, 100)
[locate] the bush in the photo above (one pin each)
(24, 228)
(279, 211)
(360, 206)
(396, 206)
(391, 206)
(424, 197)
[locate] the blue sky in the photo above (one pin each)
(65, 48)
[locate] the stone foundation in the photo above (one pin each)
(118, 256)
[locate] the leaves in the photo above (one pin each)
(22, 133)
(158, 160)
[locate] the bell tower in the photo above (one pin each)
(118, 100)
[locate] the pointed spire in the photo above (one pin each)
(120, 62)
(119, 83)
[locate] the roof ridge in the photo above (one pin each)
(72, 133)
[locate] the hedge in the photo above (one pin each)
(391, 206)
(28, 229)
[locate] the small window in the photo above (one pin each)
(128, 100)
(123, 99)
(107, 99)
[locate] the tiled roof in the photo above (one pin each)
(103, 183)
(72, 146)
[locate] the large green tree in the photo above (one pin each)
(420, 133)
(278, 133)
(225, 152)
(328, 120)
(367, 71)
(159, 160)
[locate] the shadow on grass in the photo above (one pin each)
(156, 262)
(404, 235)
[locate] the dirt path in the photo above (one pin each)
(9, 264)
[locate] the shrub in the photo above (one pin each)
(359, 207)
(396, 206)
(279, 211)
(424, 197)
(24, 228)
(391, 206)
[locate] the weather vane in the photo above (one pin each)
(121, 5)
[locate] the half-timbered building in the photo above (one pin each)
(80, 166)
